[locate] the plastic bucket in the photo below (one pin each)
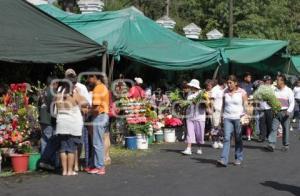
(150, 139)
(142, 142)
(34, 159)
(19, 162)
(169, 135)
(131, 143)
(159, 137)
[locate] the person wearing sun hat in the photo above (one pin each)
(195, 121)
(136, 91)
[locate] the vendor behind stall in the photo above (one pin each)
(136, 91)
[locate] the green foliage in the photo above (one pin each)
(135, 129)
(265, 19)
(266, 93)
(175, 95)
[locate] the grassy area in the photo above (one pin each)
(120, 155)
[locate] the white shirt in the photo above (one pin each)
(286, 98)
(217, 93)
(84, 92)
(194, 112)
(297, 92)
(233, 105)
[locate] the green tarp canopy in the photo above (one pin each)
(245, 51)
(129, 33)
(28, 35)
(296, 62)
(264, 55)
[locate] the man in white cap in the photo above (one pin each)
(80, 87)
(136, 91)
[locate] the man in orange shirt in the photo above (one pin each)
(100, 109)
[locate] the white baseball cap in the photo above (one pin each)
(194, 83)
(138, 80)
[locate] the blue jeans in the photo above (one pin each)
(100, 124)
(284, 120)
(232, 126)
(47, 133)
(49, 153)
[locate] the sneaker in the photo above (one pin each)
(220, 144)
(187, 152)
(260, 140)
(270, 147)
(199, 151)
(285, 148)
(87, 169)
(249, 138)
(294, 120)
(237, 162)
(46, 166)
(99, 171)
(291, 129)
(215, 145)
(221, 163)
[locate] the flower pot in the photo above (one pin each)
(19, 162)
(169, 135)
(142, 142)
(159, 137)
(34, 159)
(150, 139)
(131, 143)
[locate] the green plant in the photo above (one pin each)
(135, 129)
(266, 93)
(175, 96)
(24, 148)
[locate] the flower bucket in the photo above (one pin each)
(169, 135)
(19, 162)
(142, 142)
(159, 137)
(150, 139)
(34, 159)
(131, 143)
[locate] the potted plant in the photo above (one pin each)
(20, 158)
(157, 129)
(141, 131)
(18, 119)
(170, 125)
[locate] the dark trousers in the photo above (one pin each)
(265, 123)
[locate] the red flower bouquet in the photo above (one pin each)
(17, 119)
(172, 122)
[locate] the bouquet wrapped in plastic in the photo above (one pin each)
(266, 93)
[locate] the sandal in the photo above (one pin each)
(73, 174)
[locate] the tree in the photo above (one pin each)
(264, 19)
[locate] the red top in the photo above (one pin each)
(136, 92)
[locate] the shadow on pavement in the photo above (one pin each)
(282, 187)
(262, 148)
(206, 161)
(173, 151)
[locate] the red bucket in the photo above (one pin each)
(19, 162)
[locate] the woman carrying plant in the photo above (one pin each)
(69, 123)
(196, 115)
(235, 102)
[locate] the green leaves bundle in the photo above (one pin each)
(266, 93)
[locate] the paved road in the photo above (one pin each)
(165, 171)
